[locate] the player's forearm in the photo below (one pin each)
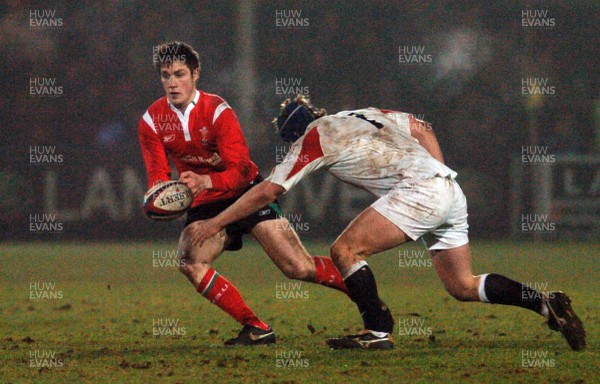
(249, 203)
(429, 142)
(434, 149)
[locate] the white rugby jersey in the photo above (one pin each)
(369, 148)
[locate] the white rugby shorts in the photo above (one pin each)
(433, 209)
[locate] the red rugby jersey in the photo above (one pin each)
(206, 139)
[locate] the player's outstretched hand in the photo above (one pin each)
(202, 230)
(197, 183)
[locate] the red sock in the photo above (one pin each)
(225, 295)
(327, 274)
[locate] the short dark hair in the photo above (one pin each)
(165, 54)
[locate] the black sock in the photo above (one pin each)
(362, 289)
(502, 290)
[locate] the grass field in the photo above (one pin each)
(100, 304)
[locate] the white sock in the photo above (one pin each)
(354, 268)
(481, 288)
(379, 334)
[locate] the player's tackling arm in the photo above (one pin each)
(423, 132)
(250, 202)
(305, 156)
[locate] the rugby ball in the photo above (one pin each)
(167, 200)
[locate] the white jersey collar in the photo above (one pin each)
(184, 118)
(190, 106)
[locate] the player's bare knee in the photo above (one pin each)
(185, 243)
(307, 271)
(185, 239)
(342, 254)
(458, 294)
(339, 251)
(194, 265)
(290, 272)
(462, 291)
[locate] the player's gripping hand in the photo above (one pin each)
(202, 230)
(197, 183)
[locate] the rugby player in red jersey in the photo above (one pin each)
(201, 134)
(397, 158)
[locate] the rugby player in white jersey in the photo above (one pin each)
(397, 158)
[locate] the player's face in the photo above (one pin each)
(179, 84)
